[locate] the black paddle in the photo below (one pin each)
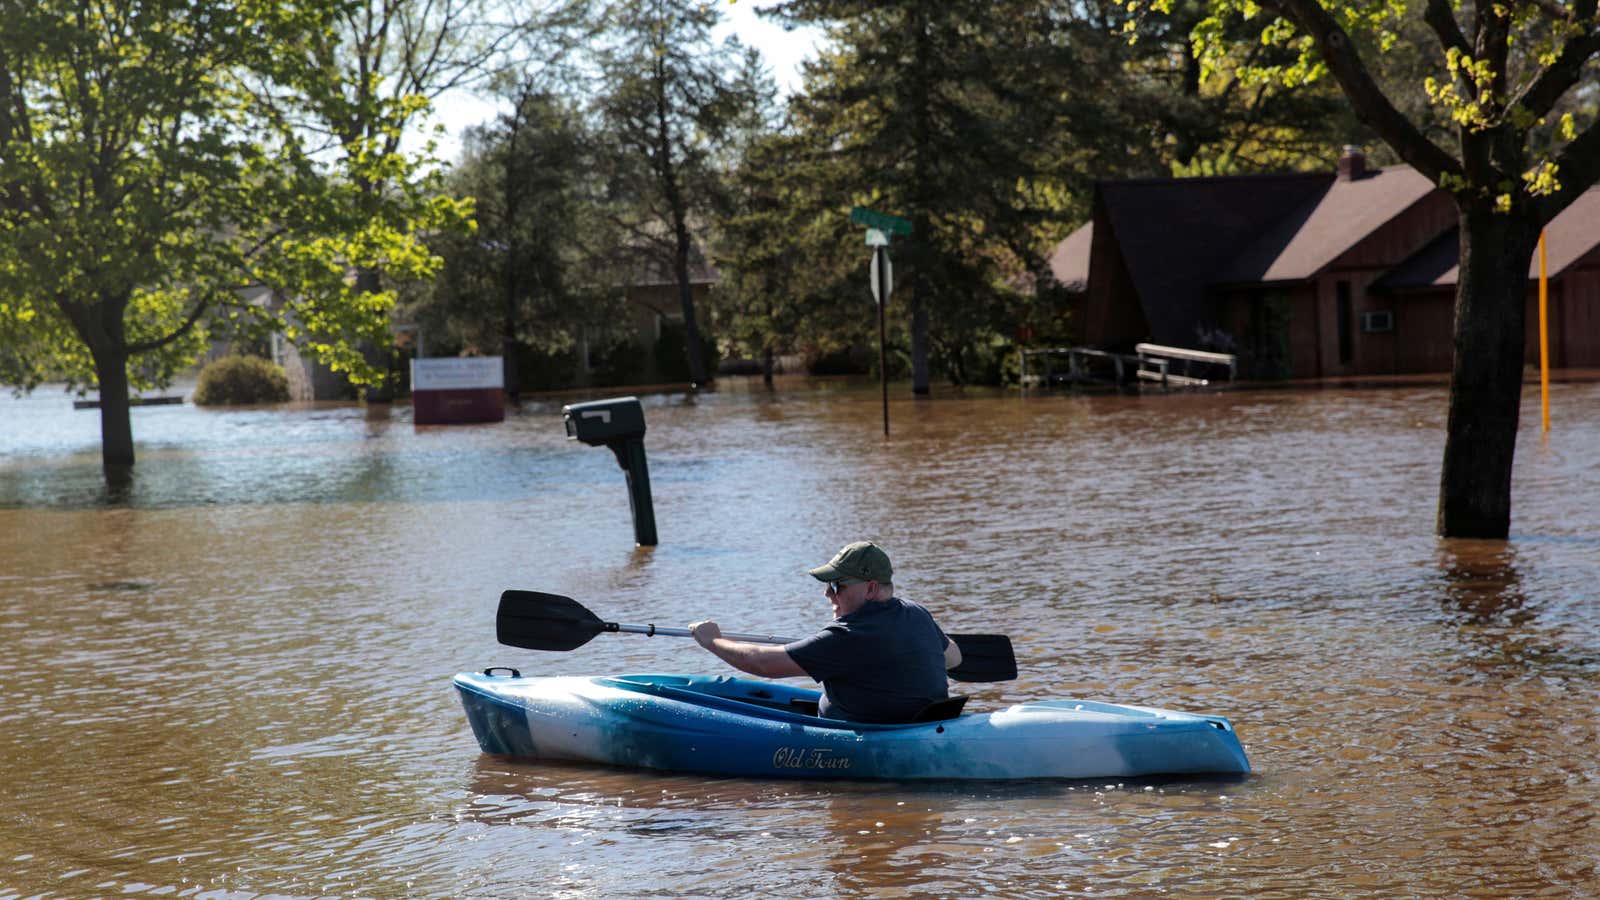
(539, 621)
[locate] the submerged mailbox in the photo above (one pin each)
(619, 424)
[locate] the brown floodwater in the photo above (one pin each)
(231, 676)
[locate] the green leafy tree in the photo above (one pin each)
(359, 87)
(673, 104)
(1207, 121)
(537, 272)
(791, 261)
(932, 111)
(762, 272)
(1509, 78)
(761, 263)
(140, 191)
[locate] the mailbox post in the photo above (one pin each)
(619, 424)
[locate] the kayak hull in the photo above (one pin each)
(740, 727)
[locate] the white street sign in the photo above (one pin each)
(882, 281)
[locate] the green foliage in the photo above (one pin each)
(358, 84)
(237, 380)
(674, 104)
(1204, 115)
(131, 196)
(930, 111)
(671, 361)
(538, 271)
(147, 178)
(763, 251)
(1512, 99)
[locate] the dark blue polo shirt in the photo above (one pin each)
(882, 663)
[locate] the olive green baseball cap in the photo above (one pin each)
(862, 560)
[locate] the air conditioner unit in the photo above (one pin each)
(1377, 321)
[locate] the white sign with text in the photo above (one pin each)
(457, 373)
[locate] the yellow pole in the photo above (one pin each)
(1544, 337)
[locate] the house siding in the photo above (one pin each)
(1292, 299)
(1380, 353)
(1424, 328)
(1111, 314)
(1577, 327)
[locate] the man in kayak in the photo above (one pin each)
(881, 659)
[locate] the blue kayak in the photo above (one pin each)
(740, 727)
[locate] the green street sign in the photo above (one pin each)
(881, 221)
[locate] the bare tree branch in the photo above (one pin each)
(1578, 166)
(1540, 96)
(187, 326)
(1372, 106)
(1440, 16)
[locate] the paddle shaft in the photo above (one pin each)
(538, 621)
(669, 631)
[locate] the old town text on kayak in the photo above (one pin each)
(808, 758)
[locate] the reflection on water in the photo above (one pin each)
(1483, 590)
(826, 839)
(1482, 582)
(232, 674)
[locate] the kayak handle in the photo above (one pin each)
(493, 669)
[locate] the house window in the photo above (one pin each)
(1347, 345)
(1377, 321)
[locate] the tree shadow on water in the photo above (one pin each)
(1482, 592)
(1482, 585)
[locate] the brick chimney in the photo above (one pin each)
(1352, 164)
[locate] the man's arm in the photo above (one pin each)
(763, 660)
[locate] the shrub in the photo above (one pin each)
(234, 380)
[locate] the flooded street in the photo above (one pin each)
(232, 676)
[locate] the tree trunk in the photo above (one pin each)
(766, 366)
(1486, 376)
(919, 346)
(511, 185)
(691, 327)
(116, 427)
(923, 66)
(379, 357)
(508, 363)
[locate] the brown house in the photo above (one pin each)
(1306, 275)
(655, 308)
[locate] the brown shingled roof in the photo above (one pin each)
(1302, 244)
(1569, 238)
(1177, 235)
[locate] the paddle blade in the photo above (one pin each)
(538, 621)
(984, 657)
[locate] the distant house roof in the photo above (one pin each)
(1177, 235)
(1069, 262)
(649, 270)
(647, 258)
(1570, 238)
(1300, 245)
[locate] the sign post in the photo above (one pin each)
(879, 227)
(1544, 337)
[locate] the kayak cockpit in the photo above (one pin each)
(767, 700)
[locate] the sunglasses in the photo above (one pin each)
(835, 587)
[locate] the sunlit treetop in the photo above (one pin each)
(1507, 79)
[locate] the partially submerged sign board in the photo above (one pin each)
(454, 391)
